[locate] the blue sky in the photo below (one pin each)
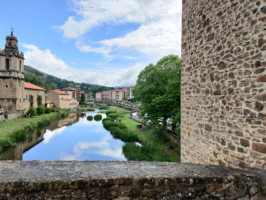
(105, 42)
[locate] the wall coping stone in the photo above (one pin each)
(127, 180)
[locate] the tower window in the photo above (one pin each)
(7, 64)
(20, 65)
(6, 86)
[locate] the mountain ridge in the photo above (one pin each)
(50, 82)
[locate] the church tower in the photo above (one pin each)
(12, 78)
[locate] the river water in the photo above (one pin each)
(73, 138)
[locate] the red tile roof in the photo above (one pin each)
(60, 92)
(32, 87)
(69, 89)
(50, 102)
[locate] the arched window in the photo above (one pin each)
(7, 64)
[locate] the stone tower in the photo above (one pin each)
(12, 78)
(224, 83)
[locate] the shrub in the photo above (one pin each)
(113, 115)
(63, 113)
(32, 111)
(98, 117)
(104, 107)
(107, 124)
(144, 153)
(53, 109)
(40, 110)
(90, 118)
(90, 109)
(48, 110)
(124, 135)
(109, 112)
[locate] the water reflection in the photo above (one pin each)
(77, 139)
(74, 138)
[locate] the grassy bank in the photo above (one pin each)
(156, 147)
(16, 131)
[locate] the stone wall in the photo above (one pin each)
(224, 82)
(127, 180)
(34, 94)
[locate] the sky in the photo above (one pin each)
(104, 42)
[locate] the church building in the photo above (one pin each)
(16, 96)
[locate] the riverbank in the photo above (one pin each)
(16, 130)
(153, 142)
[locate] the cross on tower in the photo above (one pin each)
(12, 30)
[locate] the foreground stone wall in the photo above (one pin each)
(224, 82)
(127, 180)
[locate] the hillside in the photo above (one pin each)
(49, 82)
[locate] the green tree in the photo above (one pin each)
(53, 86)
(158, 90)
(82, 100)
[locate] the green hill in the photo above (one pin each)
(49, 82)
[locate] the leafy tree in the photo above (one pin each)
(53, 86)
(158, 90)
(82, 100)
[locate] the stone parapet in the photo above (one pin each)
(127, 180)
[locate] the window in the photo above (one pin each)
(7, 64)
(20, 65)
(6, 86)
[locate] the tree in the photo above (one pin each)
(82, 100)
(158, 90)
(53, 86)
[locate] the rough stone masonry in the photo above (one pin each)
(127, 180)
(224, 83)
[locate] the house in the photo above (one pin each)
(99, 96)
(33, 93)
(61, 99)
(73, 93)
(129, 95)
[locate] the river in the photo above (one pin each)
(73, 138)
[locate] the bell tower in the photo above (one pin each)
(12, 78)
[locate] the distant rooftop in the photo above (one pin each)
(69, 89)
(59, 92)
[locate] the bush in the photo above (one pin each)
(90, 118)
(53, 109)
(109, 112)
(48, 110)
(32, 111)
(124, 135)
(40, 110)
(90, 109)
(107, 123)
(144, 153)
(113, 115)
(63, 113)
(98, 117)
(104, 107)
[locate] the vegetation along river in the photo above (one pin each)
(73, 138)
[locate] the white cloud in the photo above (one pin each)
(103, 147)
(158, 35)
(46, 61)
(50, 134)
